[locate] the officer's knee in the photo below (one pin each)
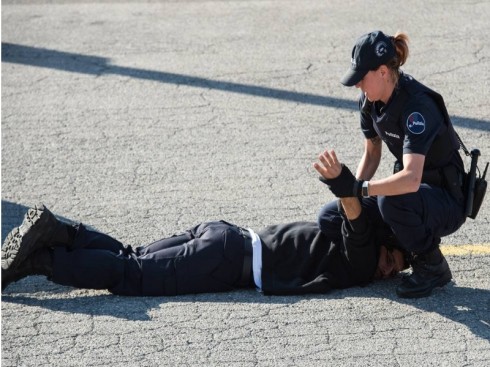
(392, 206)
(397, 206)
(385, 205)
(329, 219)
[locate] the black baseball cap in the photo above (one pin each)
(370, 52)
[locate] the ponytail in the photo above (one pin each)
(400, 41)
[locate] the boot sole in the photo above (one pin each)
(23, 240)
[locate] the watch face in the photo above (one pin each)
(365, 186)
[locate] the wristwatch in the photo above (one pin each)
(365, 189)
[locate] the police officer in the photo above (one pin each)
(422, 200)
(292, 258)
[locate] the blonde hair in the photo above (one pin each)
(400, 41)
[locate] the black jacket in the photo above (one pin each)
(298, 258)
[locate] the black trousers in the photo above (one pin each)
(206, 258)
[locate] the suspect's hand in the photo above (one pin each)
(339, 179)
(329, 166)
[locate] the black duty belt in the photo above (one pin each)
(247, 258)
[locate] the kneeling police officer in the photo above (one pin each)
(423, 199)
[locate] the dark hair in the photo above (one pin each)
(387, 238)
(400, 41)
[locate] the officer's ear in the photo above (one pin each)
(383, 70)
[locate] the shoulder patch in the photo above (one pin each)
(416, 123)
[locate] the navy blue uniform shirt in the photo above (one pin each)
(408, 126)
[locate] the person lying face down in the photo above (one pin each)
(291, 258)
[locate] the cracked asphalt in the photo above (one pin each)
(143, 119)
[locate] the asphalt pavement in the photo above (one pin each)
(142, 119)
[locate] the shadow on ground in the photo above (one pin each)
(459, 304)
(96, 65)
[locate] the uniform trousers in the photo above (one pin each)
(206, 258)
(418, 220)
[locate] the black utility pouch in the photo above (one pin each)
(475, 187)
(480, 190)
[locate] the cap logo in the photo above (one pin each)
(416, 123)
(353, 63)
(381, 48)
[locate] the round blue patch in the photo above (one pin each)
(416, 123)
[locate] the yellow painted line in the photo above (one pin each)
(461, 250)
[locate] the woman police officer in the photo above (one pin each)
(423, 199)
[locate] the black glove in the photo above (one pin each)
(344, 185)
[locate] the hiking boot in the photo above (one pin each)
(429, 271)
(38, 263)
(35, 232)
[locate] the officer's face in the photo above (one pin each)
(390, 263)
(376, 86)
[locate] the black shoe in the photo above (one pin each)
(429, 271)
(35, 232)
(38, 263)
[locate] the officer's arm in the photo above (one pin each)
(370, 159)
(406, 181)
